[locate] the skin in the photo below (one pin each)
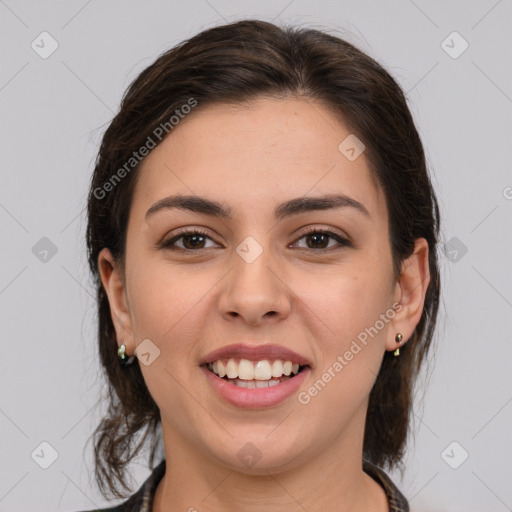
(190, 303)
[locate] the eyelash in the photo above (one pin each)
(169, 244)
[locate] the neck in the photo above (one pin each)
(332, 480)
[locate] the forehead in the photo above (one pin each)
(248, 155)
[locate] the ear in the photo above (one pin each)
(410, 291)
(113, 283)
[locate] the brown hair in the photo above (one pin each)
(235, 63)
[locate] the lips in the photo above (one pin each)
(255, 398)
(255, 353)
(258, 389)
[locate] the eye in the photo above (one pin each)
(318, 239)
(192, 239)
(195, 239)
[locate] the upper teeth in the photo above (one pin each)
(249, 370)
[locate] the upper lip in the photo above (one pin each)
(255, 353)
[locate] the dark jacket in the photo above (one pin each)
(142, 500)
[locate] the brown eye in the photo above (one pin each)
(192, 240)
(318, 239)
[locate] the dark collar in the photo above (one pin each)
(397, 501)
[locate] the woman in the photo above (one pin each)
(263, 232)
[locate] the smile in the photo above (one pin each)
(254, 384)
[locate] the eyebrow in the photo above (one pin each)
(295, 206)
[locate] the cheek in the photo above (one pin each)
(174, 308)
(350, 345)
(346, 302)
(170, 307)
(165, 296)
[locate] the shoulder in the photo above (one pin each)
(142, 499)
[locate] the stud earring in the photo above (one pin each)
(398, 339)
(124, 359)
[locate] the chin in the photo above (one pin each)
(257, 454)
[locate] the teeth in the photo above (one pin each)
(257, 371)
(231, 369)
(277, 368)
(262, 370)
(221, 369)
(252, 384)
(245, 369)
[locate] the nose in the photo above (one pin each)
(254, 292)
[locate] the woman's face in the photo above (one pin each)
(256, 279)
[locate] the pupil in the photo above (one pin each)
(189, 237)
(315, 237)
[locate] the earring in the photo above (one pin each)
(124, 359)
(398, 339)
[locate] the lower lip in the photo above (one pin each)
(258, 397)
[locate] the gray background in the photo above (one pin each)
(53, 113)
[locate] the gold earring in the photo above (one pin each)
(124, 359)
(398, 339)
